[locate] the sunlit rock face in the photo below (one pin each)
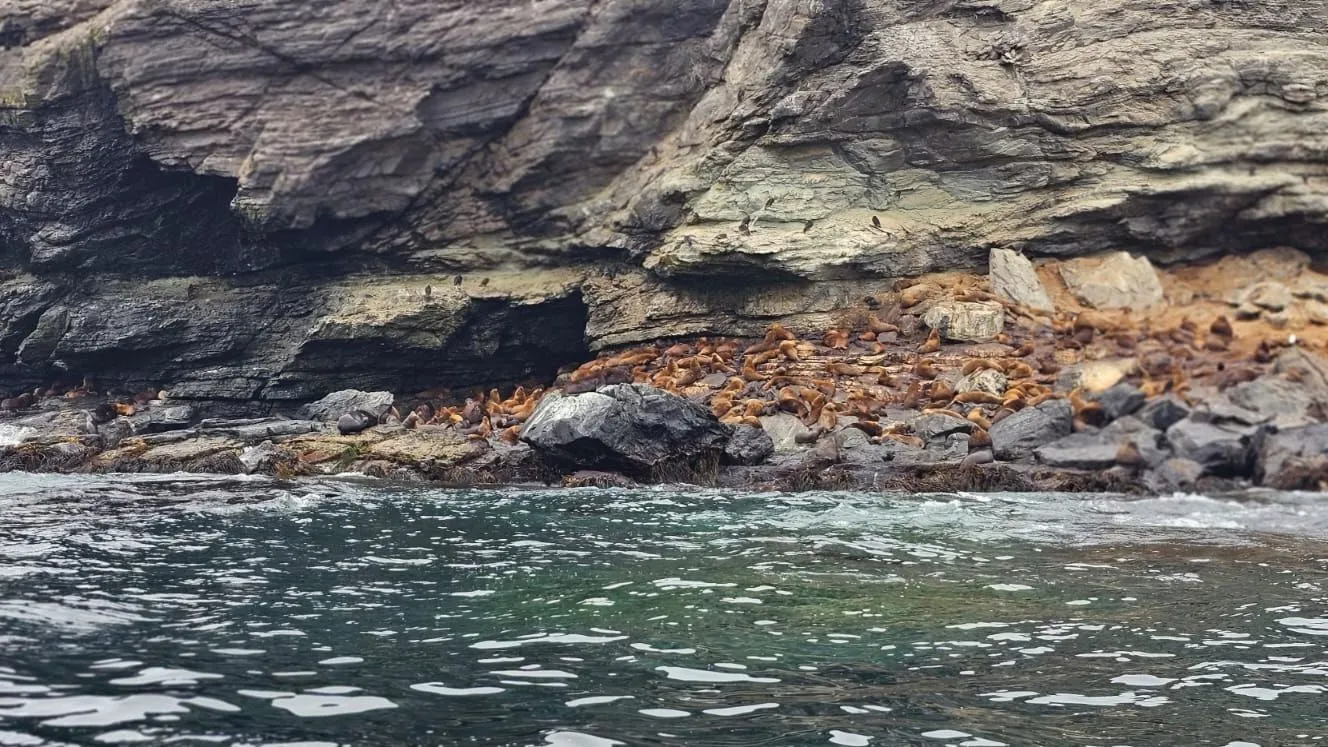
(253, 174)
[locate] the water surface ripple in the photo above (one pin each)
(164, 610)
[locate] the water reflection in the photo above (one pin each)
(246, 612)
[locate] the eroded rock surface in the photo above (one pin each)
(268, 201)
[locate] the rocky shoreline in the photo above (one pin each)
(1095, 374)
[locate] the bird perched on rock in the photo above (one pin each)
(744, 227)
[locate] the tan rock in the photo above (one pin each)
(966, 321)
(1113, 281)
(1101, 375)
(1012, 277)
(986, 380)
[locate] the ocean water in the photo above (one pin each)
(222, 611)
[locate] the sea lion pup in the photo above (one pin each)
(874, 324)
(924, 369)
(355, 422)
(932, 343)
(836, 339)
(979, 439)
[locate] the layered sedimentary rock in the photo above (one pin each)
(266, 200)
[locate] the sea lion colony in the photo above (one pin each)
(878, 368)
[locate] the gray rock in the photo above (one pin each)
(966, 321)
(986, 380)
(1173, 475)
(1164, 412)
(1120, 400)
(337, 404)
(1113, 281)
(159, 419)
(1079, 451)
(1273, 398)
(1017, 436)
(1220, 410)
(1013, 278)
(1223, 450)
(1267, 295)
(749, 446)
(259, 458)
(1293, 459)
(632, 428)
(1099, 450)
(784, 429)
(938, 427)
(259, 429)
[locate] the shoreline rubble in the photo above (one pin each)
(954, 382)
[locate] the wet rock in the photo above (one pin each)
(1017, 436)
(115, 431)
(749, 446)
(633, 428)
(1103, 449)
(987, 380)
(1113, 281)
(1164, 412)
(1120, 400)
(597, 479)
(260, 459)
(784, 430)
(163, 418)
(1013, 278)
(1173, 475)
(1272, 398)
(347, 401)
(938, 427)
(1294, 459)
(252, 430)
(966, 321)
(1222, 450)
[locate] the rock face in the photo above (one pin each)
(633, 428)
(286, 214)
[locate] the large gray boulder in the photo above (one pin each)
(1113, 281)
(633, 428)
(1295, 458)
(345, 402)
(1102, 449)
(749, 446)
(966, 321)
(1017, 436)
(1223, 449)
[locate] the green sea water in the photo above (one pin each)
(190, 610)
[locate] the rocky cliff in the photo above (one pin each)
(264, 200)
